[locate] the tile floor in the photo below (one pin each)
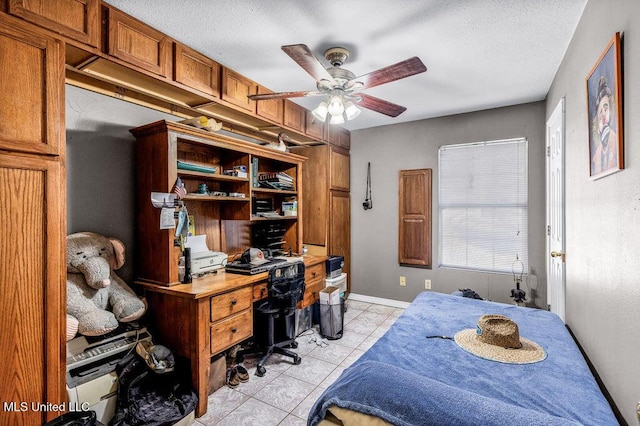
(285, 394)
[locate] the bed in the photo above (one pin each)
(409, 379)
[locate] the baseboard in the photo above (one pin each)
(378, 300)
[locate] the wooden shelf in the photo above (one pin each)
(274, 191)
(270, 219)
(202, 197)
(211, 176)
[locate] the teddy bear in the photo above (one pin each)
(97, 299)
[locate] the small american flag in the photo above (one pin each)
(179, 188)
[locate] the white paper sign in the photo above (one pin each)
(166, 218)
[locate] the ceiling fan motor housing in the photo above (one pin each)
(336, 56)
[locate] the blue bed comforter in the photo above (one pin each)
(408, 379)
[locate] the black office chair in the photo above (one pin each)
(286, 288)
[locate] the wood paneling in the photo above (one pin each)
(31, 110)
(196, 70)
(77, 19)
(414, 245)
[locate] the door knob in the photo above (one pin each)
(557, 254)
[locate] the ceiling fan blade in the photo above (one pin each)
(380, 105)
(307, 60)
(283, 95)
(391, 73)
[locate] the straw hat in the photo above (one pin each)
(496, 338)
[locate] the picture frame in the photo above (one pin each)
(604, 112)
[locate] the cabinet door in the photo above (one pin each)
(236, 88)
(316, 193)
(339, 165)
(340, 227)
(314, 127)
(76, 19)
(31, 115)
(32, 277)
(196, 70)
(414, 245)
(344, 138)
(271, 109)
(137, 43)
(294, 116)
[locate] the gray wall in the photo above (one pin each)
(374, 233)
(603, 216)
(101, 166)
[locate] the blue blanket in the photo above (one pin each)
(408, 379)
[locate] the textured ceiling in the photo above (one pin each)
(479, 54)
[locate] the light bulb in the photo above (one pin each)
(336, 107)
(321, 111)
(351, 110)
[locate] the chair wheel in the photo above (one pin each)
(260, 371)
(294, 345)
(297, 360)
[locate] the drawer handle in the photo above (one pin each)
(233, 330)
(233, 302)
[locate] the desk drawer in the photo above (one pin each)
(314, 272)
(230, 303)
(312, 292)
(260, 291)
(230, 331)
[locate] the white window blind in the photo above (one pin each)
(483, 206)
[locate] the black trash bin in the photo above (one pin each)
(75, 418)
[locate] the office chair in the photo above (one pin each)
(285, 288)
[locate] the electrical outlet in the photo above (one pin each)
(427, 284)
(403, 281)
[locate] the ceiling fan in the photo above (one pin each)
(342, 87)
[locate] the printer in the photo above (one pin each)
(207, 261)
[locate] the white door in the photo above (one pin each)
(555, 212)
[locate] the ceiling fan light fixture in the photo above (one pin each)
(321, 111)
(336, 106)
(351, 110)
(337, 119)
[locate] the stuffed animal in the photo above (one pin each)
(96, 297)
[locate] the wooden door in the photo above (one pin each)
(236, 88)
(340, 170)
(294, 116)
(196, 70)
(414, 246)
(271, 109)
(340, 227)
(32, 280)
(314, 127)
(316, 190)
(32, 88)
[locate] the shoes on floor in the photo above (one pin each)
(237, 374)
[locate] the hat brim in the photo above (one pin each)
(529, 353)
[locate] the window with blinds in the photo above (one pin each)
(483, 206)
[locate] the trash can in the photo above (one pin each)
(332, 320)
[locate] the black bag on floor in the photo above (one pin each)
(148, 398)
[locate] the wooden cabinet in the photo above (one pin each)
(32, 221)
(225, 213)
(326, 217)
(196, 70)
(414, 233)
(294, 116)
(271, 109)
(76, 19)
(338, 136)
(137, 43)
(314, 127)
(236, 88)
(32, 87)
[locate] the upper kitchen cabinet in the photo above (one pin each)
(39, 103)
(236, 88)
(338, 136)
(294, 116)
(76, 19)
(271, 109)
(314, 127)
(137, 43)
(196, 70)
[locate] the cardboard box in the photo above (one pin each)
(330, 296)
(217, 373)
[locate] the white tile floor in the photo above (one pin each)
(285, 394)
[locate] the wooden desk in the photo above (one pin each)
(204, 318)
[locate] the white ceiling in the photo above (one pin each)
(479, 54)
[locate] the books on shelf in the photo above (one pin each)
(276, 180)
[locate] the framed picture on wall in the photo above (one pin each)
(604, 104)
